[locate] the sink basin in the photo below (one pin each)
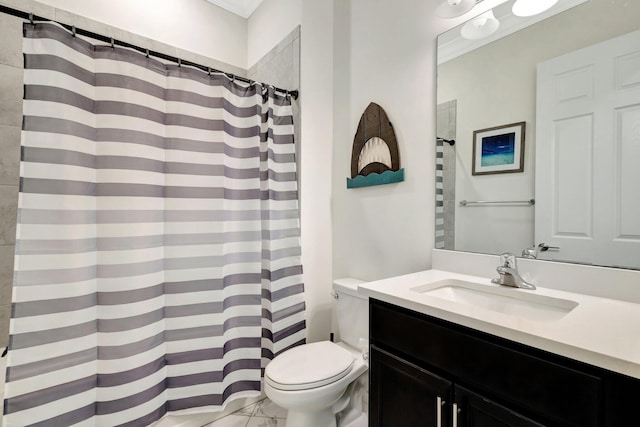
(525, 304)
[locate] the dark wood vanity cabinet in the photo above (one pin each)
(417, 398)
(428, 372)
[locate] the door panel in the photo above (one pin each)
(587, 151)
(627, 206)
(573, 180)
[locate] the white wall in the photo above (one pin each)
(355, 52)
(271, 22)
(386, 230)
(193, 25)
(352, 53)
(366, 233)
(390, 59)
(316, 82)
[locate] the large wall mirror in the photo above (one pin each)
(560, 93)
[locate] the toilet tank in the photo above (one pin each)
(352, 312)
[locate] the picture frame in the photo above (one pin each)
(499, 149)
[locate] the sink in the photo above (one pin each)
(525, 304)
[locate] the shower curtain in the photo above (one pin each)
(157, 258)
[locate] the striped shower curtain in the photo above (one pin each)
(157, 259)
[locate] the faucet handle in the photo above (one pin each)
(508, 260)
(531, 252)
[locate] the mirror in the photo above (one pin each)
(572, 75)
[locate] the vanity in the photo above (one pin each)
(447, 346)
(451, 350)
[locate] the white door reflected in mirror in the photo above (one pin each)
(588, 143)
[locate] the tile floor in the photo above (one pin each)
(262, 414)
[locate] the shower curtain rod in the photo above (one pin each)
(32, 18)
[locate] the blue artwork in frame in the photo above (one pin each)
(499, 149)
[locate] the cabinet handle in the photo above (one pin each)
(439, 404)
(456, 411)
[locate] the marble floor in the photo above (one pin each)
(262, 414)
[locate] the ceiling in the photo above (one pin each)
(451, 44)
(242, 8)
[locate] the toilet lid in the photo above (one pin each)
(309, 366)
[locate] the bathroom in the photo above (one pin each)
(350, 54)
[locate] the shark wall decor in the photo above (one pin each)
(375, 159)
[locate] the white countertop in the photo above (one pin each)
(598, 331)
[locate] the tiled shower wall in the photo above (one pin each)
(11, 84)
(281, 68)
(446, 176)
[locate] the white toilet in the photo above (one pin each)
(310, 380)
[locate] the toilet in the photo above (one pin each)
(311, 380)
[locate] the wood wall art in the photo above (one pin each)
(375, 159)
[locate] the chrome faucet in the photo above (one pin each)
(532, 252)
(509, 275)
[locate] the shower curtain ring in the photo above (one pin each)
(113, 43)
(73, 30)
(179, 62)
(209, 71)
(31, 19)
(147, 53)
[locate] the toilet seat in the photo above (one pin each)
(309, 366)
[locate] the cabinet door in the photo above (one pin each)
(473, 410)
(404, 395)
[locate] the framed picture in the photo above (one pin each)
(499, 149)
